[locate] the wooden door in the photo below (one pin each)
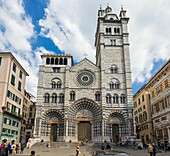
(115, 132)
(84, 131)
(53, 137)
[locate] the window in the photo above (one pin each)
(97, 96)
(108, 98)
(20, 74)
(153, 94)
(0, 60)
(72, 95)
(122, 98)
(53, 84)
(115, 98)
(54, 98)
(139, 101)
(14, 67)
(13, 80)
(111, 85)
(114, 69)
(31, 108)
(19, 86)
(48, 61)
(143, 106)
(143, 98)
(46, 98)
(166, 83)
(144, 116)
(117, 85)
(61, 98)
(58, 85)
(56, 70)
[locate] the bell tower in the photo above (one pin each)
(112, 57)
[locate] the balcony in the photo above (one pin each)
(11, 112)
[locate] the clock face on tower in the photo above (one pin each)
(85, 78)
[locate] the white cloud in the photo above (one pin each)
(148, 27)
(16, 31)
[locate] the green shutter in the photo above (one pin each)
(5, 119)
(8, 93)
(9, 131)
(13, 80)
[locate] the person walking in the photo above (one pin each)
(48, 147)
(154, 149)
(32, 153)
(150, 149)
(78, 150)
(4, 150)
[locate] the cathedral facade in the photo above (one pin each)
(88, 101)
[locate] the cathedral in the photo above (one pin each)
(88, 101)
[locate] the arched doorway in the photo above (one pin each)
(84, 117)
(116, 125)
(87, 116)
(52, 127)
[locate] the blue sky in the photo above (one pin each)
(31, 28)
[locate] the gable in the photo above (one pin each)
(84, 64)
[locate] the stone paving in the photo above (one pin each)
(70, 150)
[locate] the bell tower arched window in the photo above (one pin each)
(122, 99)
(61, 98)
(54, 98)
(61, 61)
(115, 98)
(108, 98)
(52, 60)
(53, 84)
(72, 95)
(111, 85)
(97, 96)
(46, 98)
(48, 61)
(56, 61)
(65, 61)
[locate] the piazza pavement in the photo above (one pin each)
(69, 149)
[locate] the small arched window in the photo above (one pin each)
(58, 85)
(97, 96)
(48, 61)
(52, 60)
(111, 85)
(61, 61)
(54, 98)
(115, 30)
(117, 85)
(114, 69)
(107, 30)
(72, 95)
(122, 99)
(108, 98)
(53, 84)
(115, 98)
(46, 98)
(118, 30)
(65, 61)
(61, 98)
(56, 61)
(110, 30)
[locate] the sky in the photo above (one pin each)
(29, 28)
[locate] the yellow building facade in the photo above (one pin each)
(142, 115)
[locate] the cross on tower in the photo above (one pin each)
(85, 55)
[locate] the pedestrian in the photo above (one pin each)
(154, 149)
(32, 153)
(4, 150)
(150, 149)
(48, 147)
(13, 148)
(78, 150)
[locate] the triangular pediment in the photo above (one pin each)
(84, 64)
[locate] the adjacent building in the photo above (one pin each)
(27, 110)
(142, 115)
(12, 86)
(31, 119)
(88, 101)
(159, 87)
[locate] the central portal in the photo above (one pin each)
(84, 131)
